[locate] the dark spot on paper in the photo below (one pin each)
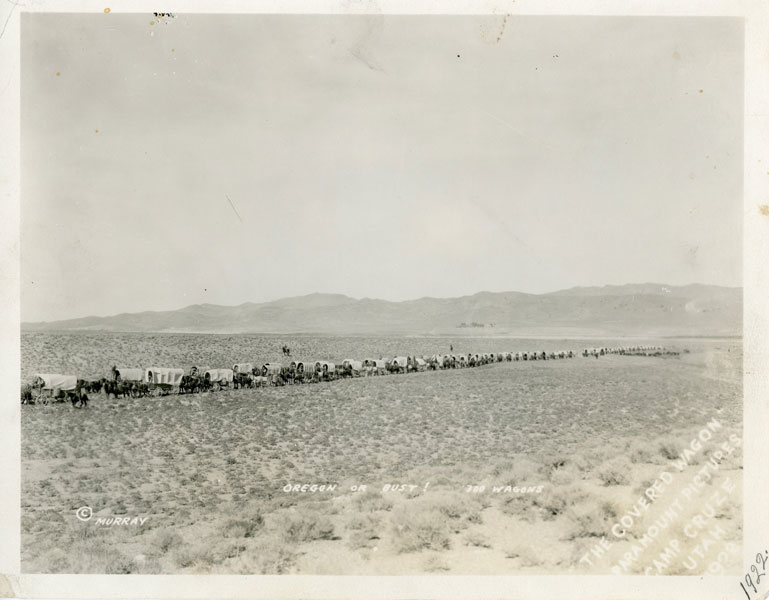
(96, 131)
(457, 55)
(764, 209)
(701, 91)
(152, 22)
(492, 32)
(106, 10)
(58, 74)
(502, 29)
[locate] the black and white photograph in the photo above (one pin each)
(383, 294)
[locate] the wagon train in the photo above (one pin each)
(132, 382)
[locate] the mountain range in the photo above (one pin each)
(633, 309)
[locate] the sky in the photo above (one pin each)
(244, 158)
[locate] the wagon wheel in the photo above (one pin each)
(157, 392)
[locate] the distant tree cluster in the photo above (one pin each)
(474, 324)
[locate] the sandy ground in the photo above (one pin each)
(516, 468)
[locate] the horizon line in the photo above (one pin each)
(556, 291)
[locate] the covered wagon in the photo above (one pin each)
(399, 364)
(300, 371)
(46, 387)
(351, 368)
(47, 381)
(273, 372)
(243, 368)
(163, 380)
(375, 366)
(436, 361)
(324, 370)
(218, 378)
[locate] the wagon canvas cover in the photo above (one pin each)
(66, 383)
(220, 374)
(131, 374)
(164, 375)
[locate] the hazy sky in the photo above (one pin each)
(227, 159)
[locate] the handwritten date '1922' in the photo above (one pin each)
(759, 570)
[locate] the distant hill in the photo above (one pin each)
(633, 309)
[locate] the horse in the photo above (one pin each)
(116, 388)
(242, 380)
(79, 397)
(26, 394)
(189, 384)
